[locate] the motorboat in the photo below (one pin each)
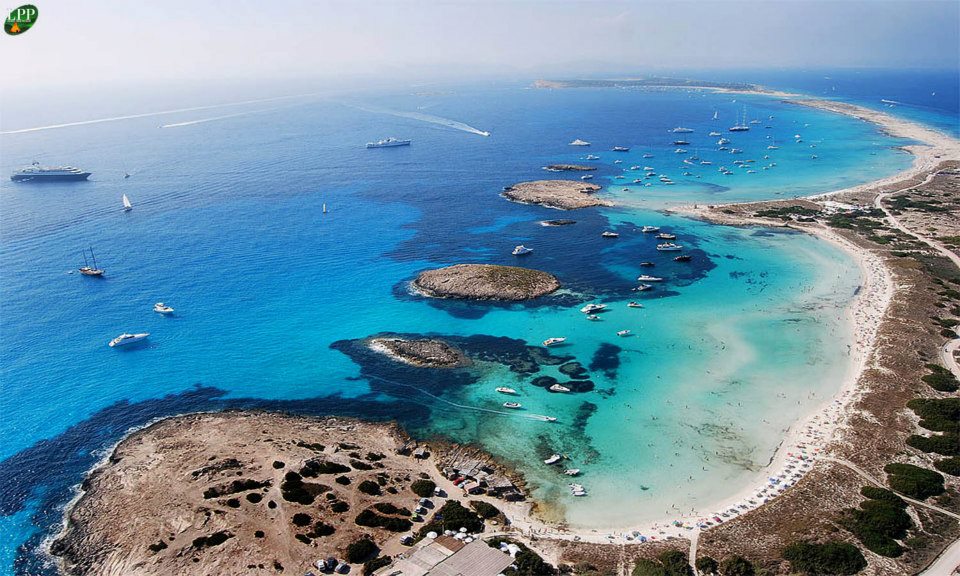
(587, 177)
(647, 229)
(649, 278)
(579, 142)
(634, 305)
(549, 418)
(578, 490)
(553, 459)
(666, 236)
(618, 161)
(714, 133)
(648, 155)
(681, 130)
(572, 471)
(124, 339)
(592, 157)
(591, 308)
(554, 341)
(505, 390)
(669, 247)
(620, 149)
(681, 143)
(623, 333)
(643, 287)
(512, 405)
(609, 234)
(592, 317)
(521, 250)
(558, 388)
(647, 264)
(683, 258)
(162, 308)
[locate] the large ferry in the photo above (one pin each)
(38, 173)
(388, 143)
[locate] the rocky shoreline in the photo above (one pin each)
(569, 168)
(422, 352)
(559, 194)
(485, 282)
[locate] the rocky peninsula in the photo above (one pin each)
(423, 352)
(485, 282)
(559, 194)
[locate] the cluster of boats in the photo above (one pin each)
(91, 268)
(575, 489)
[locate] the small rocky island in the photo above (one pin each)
(560, 194)
(485, 282)
(423, 352)
(569, 168)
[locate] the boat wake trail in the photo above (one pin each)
(423, 118)
(203, 120)
(149, 114)
(461, 406)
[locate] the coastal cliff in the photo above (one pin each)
(485, 282)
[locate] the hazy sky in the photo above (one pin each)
(110, 40)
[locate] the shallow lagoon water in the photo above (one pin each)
(228, 228)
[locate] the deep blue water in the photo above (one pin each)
(229, 229)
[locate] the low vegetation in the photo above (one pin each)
(914, 481)
(527, 562)
(453, 516)
(423, 488)
(361, 550)
(941, 379)
(485, 509)
(879, 522)
(838, 558)
(937, 415)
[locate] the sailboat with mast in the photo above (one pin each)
(88, 270)
(742, 125)
(127, 206)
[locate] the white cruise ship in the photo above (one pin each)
(388, 143)
(38, 173)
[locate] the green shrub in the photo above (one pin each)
(361, 550)
(423, 488)
(940, 378)
(829, 558)
(707, 565)
(916, 482)
(646, 567)
(485, 509)
(371, 566)
(369, 487)
(453, 516)
(736, 566)
(528, 562)
(946, 444)
(879, 521)
(949, 466)
(371, 519)
(937, 414)
(676, 563)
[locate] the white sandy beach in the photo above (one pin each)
(810, 437)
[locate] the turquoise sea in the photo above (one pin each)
(272, 294)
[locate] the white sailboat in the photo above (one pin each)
(127, 206)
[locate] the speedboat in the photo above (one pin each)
(592, 317)
(646, 229)
(713, 134)
(553, 459)
(669, 247)
(683, 258)
(680, 143)
(587, 177)
(634, 305)
(558, 388)
(681, 130)
(125, 339)
(579, 142)
(549, 418)
(648, 278)
(647, 264)
(162, 308)
(623, 333)
(512, 405)
(705, 162)
(521, 250)
(592, 157)
(679, 151)
(620, 149)
(578, 490)
(505, 390)
(666, 236)
(609, 234)
(648, 155)
(648, 168)
(618, 161)
(643, 287)
(553, 341)
(591, 308)
(722, 142)
(572, 471)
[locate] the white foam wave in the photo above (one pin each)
(455, 124)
